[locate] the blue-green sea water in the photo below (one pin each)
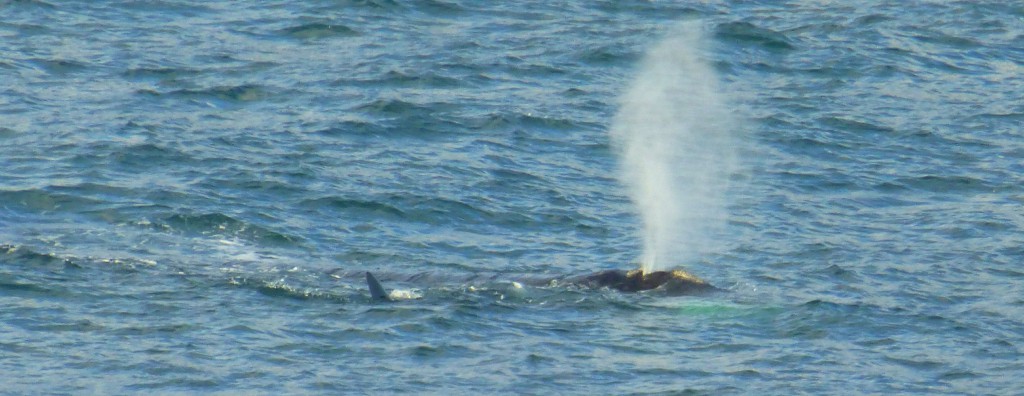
(190, 192)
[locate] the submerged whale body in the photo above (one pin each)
(675, 282)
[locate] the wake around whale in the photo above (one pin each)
(675, 282)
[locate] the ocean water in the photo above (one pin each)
(190, 193)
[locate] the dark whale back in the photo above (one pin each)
(676, 282)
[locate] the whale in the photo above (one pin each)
(673, 282)
(676, 282)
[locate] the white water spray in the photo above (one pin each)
(674, 133)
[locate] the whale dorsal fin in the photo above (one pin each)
(376, 290)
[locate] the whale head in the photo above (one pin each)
(675, 282)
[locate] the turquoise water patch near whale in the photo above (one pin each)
(191, 192)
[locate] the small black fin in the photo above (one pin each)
(376, 290)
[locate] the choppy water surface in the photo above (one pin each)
(190, 191)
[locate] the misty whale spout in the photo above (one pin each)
(674, 133)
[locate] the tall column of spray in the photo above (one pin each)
(674, 135)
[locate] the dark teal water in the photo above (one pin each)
(190, 192)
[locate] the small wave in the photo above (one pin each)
(406, 80)
(12, 288)
(158, 73)
(871, 19)
(940, 38)
(827, 183)
(656, 10)
(60, 67)
(606, 56)
(438, 210)
(429, 7)
(354, 128)
(318, 30)
(1001, 117)
(147, 156)
(30, 3)
(389, 107)
(372, 4)
(281, 288)
(848, 125)
(398, 118)
(430, 210)
(24, 256)
(516, 177)
(529, 121)
(944, 183)
(39, 200)
(446, 211)
(27, 256)
(515, 66)
(353, 205)
(226, 93)
(547, 123)
(441, 8)
(917, 363)
(218, 224)
(745, 32)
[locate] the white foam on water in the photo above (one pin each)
(405, 294)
